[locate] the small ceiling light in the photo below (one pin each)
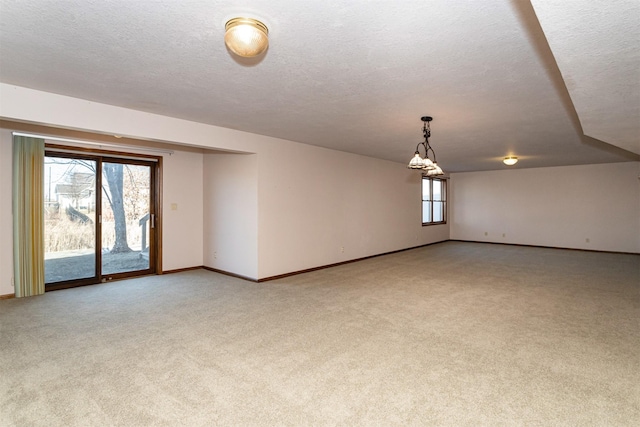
(429, 166)
(246, 37)
(510, 161)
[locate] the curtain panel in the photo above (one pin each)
(28, 216)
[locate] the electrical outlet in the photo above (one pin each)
(342, 249)
(486, 234)
(587, 240)
(504, 234)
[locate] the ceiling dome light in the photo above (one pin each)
(510, 161)
(246, 37)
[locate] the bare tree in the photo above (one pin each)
(114, 174)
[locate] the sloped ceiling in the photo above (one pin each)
(596, 44)
(352, 75)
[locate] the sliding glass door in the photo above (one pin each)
(99, 220)
(127, 218)
(70, 219)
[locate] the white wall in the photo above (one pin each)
(319, 207)
(231, 213)
(557, 206)
(311, 201)
(182, 228)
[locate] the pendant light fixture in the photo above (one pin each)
(246, 37)
(426, 164)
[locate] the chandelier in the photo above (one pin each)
(426, 164)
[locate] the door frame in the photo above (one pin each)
(155, 240)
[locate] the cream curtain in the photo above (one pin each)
(28, 216)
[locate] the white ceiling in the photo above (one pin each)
(596, 44)
(356, 75)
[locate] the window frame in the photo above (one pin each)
(443, 199)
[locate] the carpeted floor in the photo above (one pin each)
(450, 334)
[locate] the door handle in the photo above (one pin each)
(153, 221)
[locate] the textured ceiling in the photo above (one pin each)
(354, 76)
(596, 44)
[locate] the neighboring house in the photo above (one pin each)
(78, 193)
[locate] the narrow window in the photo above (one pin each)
(434, 201)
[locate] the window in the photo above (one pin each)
(434, 201)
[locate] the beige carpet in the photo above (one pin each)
(450, 334)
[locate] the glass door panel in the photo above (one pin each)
(127, 217)
(70, 219)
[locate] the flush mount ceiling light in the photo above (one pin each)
(510, 161)
(426, 164)
(246, 37)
